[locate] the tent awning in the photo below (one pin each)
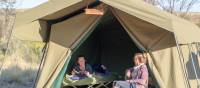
(43, 10)
(34, 31)
(186, 31)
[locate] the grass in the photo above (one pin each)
(21, 63)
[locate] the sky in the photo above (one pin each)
(33, 3)
(29, 3)
(196, 8)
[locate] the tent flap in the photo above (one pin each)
(168, 64)
(74, 28)
(150, 36)
(54, 62)
(63, 35)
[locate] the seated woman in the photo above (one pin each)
(136, 77)
(81, 70)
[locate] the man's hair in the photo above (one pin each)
(78, 58)
(81, 56)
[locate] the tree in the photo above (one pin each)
(177, 7)
(7, 11)
(7, 17)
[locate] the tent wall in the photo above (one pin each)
(166, 65)
(63, 36)
(189, 64)
(167, 69)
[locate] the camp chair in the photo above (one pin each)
(94, 81)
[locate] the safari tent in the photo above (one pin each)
(127, 27)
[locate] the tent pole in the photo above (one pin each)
(181, 57)
(193, 64)
(41, 64)
(198, 52)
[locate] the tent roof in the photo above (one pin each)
(44, 10)
(186, 31)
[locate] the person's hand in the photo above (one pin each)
(73, 72)
(87, 73)
(130, 81)
(128, 73)
(104, 67)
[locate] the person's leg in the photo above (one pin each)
(132, 85)
(122, 84)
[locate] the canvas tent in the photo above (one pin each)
(62, 24)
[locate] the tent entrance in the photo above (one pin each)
(108, 44)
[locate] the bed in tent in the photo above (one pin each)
(172, 43)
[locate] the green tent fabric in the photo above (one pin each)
(148, 27)
(34, 31)
(184, 30)
(43, 10)
(33, 19)
(135, 8)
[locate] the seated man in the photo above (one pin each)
(81, 70)
(136, 77)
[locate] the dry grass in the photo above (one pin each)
(17, 73)
(21, 65)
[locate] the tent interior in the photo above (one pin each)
(109, 44)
